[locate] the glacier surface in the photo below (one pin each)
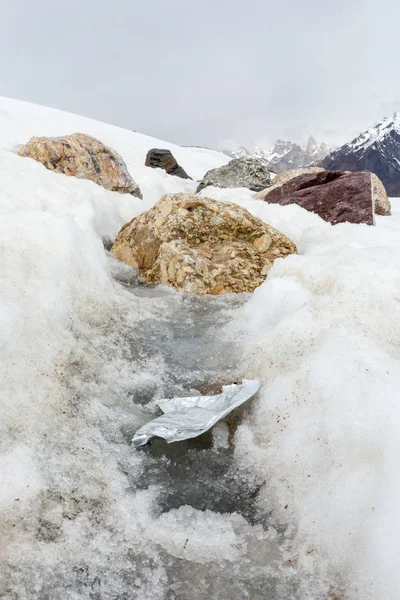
(294, 498)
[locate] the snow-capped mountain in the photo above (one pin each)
(376, 150)
(285, 155)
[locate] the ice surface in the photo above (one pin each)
(295, 497)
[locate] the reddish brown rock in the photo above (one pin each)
(284, 177)
(164, 159)
(335, 196)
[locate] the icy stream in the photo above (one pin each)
(295, 497)
(169, 522)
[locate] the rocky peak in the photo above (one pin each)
(377, 149)
(285, 155)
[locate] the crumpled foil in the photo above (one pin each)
(186, 418)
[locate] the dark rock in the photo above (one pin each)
(249, 173)
(164, 159)
(335, 196)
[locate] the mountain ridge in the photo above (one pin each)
(285, 155)
(377, 149)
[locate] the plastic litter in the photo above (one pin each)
(188, 417)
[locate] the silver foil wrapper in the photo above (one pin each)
(188, 417)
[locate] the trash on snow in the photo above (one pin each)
(188, 417)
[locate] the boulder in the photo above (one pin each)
(335, 196)
(250, 173)
(164, 159)
(283, 178)
(80, 155)
(381, 200)
(200, 245)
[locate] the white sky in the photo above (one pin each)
(205, 71)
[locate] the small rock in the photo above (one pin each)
(381, 200)
(249, 173)
(164, 159)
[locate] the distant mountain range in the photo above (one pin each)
(376, 150)
(285, 155)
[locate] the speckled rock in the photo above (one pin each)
(381, 200)
(335, 196)
(80, 155)
(285, 177)
(164, 159)
(201, 246)
(250, 173)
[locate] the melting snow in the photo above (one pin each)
(295, 498)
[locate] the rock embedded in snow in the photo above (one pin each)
(381, 200)
(335, 196)
(201, 246)
(82, 156)
(249, 173)
(285, 177)
(164, 159)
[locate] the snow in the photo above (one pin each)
(297, 498)
(19, 121)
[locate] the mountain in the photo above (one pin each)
(285, 155)
(376, 150)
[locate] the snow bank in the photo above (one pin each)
(324, 433)
(298, 497)
(19, 121)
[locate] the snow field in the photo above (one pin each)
(304, 504)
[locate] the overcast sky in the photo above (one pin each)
(206, 71)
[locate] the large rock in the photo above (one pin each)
(80, 155)
(201, 245)
(164, 159)
(335, 196)
(381, 200)
(283, 178)
(250, 173)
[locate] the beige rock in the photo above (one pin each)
(381, 200)
(283, 178)
(82, 156)
(201, 246)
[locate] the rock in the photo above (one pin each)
(164, 159)
(80, 155)
(283, 178)
(335, 196)
(381, 200)
(250, 173)
(201, 245)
